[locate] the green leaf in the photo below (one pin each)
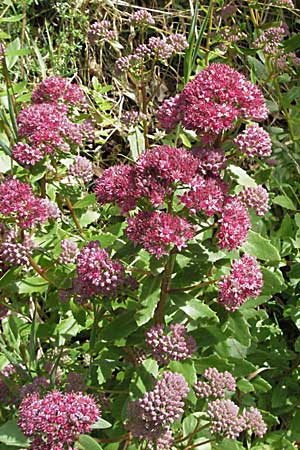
(245, 386)
(78, 312)
(150, 297)
(86, 442)
(101, 425)
(88, 217)
(32, 284)
(196, 309)
(120, 327)
(11, 435)
(5, 163)
(12, 53)
(186, 368)
(284, 201)
(240, 328)
(136, 142)
(11, 19)
(273, 282)
(88, 200)
(242, 177)
(260, 247)
(261, 385)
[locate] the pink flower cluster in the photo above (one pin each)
(256, 198)
(254, 141)
(57, 419)
(96, 270)
(211, 160)
(156, 231)
(69, 252)
(270, 40)
(234, 224)
(175, 346)
(216, 385)
(101, 31)
(225, 419)
(159, 48)
(142, 17)
(82, 168)
(18, 203)
(46, 125)
(213, 101)
(206, 194)
(149, 417)
(245, 280)
(14, 250)
(55, 89)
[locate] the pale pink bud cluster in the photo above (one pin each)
(53, 89)
(254, 141)
(141, 17)
(270, 40)
(57, 419)
(216, 385)
(214, 100)
(169, 113)
(18, 203)
(235, 224)
(175, 346)
(225, 419)
(285, 3)
(51, 208)
(163, 442)
(69, 252)
(256, 198)
(156, 47)
(206, 194)
(157, 231)
(14, 251)
(254, 421)
(82, 168)
(245, 280)
(133, 117)
(101, 31)
(149, 417)
(96, 270)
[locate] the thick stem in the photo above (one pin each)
(38, 269)
(164, 288)
(74, 217)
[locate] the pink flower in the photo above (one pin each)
(156, 231)
(169, 113)
(254, 141)
(216, 98)
(216, 385)
(235, 224)
(256, 198)
(245, 280)
(225, 418)
(175, 346)
(18, 203)
(69, 252)
(53, 89)
(254, 421)
(82, 168)
(211, 160)
(206, 194)
(26, 155)
(96, 269)
(141, 17)
(57, 419)
(15, 250)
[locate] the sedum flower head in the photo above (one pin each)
(256, 198)
(235, 224)
(14, 251)
(270, 40)
(254, 141)
(69, 252)
(175, 346)
(156, 231)
(82, 168)
(245, 280)
(53, 89)
(101, 31)
(216, 98)
(225, 419)
(18, 203)
(97, 270)
(26, 155)
(149, 417)
(254, 421)
(56, 420)
(216, 385)
(141, 17)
